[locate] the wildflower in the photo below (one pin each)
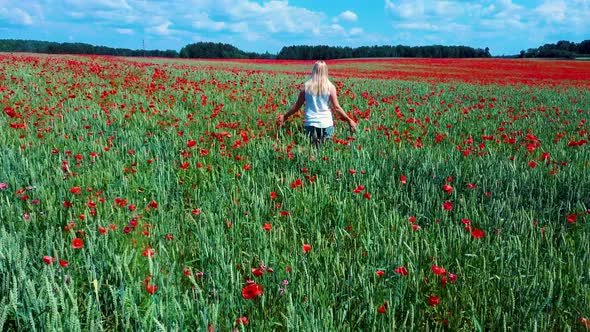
(48, 260)
(448, 189)
(571, 218)
(380, 273)
(438, 270)
(448, 205)
(402, 271)
(251, 291)
(257, 272)
(151, 288)
(77, 243)
(306, 248)
(478, 233)
(433, 301)
(383, 308)
(402, 179)
(297, 183)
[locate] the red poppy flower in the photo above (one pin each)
(251, 291)
(478, 233)
(273, 195)
(380, 273)
(148, 252)
(367, 195)
(151, 288)
(306, 248)
(358, 189)
(297, 183)
(76, 190)
(412, 219)
(48, 260)
(532, 164)
(402, 179)
(257, 272)
(242, 320)
(383, 308)
(448, 205)
(415, 227)
(267, 227)
(63, 263)
(433, 301)
(453, 277)
(351, 171)
(191, 143)
(447, 188)
(77, 243)
(471, 186)
(438, 270)
(572, 218)
(402, 270)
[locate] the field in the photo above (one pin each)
(154, 194)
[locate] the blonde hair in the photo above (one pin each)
(318, 83)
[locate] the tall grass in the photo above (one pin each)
(205, 224)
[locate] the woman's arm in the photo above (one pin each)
(281, 118)
(339, 110)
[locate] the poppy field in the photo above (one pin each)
(152, 194)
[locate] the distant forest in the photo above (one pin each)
(562, 49)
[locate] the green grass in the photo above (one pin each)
(529, 272)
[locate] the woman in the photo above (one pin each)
(319, 94)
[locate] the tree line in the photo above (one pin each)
(37, 46)
(224, 51)
(561, 49)
(331, 52)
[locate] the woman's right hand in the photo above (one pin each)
(352, 125)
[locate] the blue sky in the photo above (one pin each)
(505, 26)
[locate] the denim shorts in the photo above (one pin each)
(319, 133)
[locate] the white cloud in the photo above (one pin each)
(201, 21)
(124, 31)
(356, 31)
(16, 16)
(552, 11)
(161, 29)
(348, 16)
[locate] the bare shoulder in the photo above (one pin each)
(333, 89)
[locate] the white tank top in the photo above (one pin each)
(317, 111)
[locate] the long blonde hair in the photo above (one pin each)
(318, 83)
